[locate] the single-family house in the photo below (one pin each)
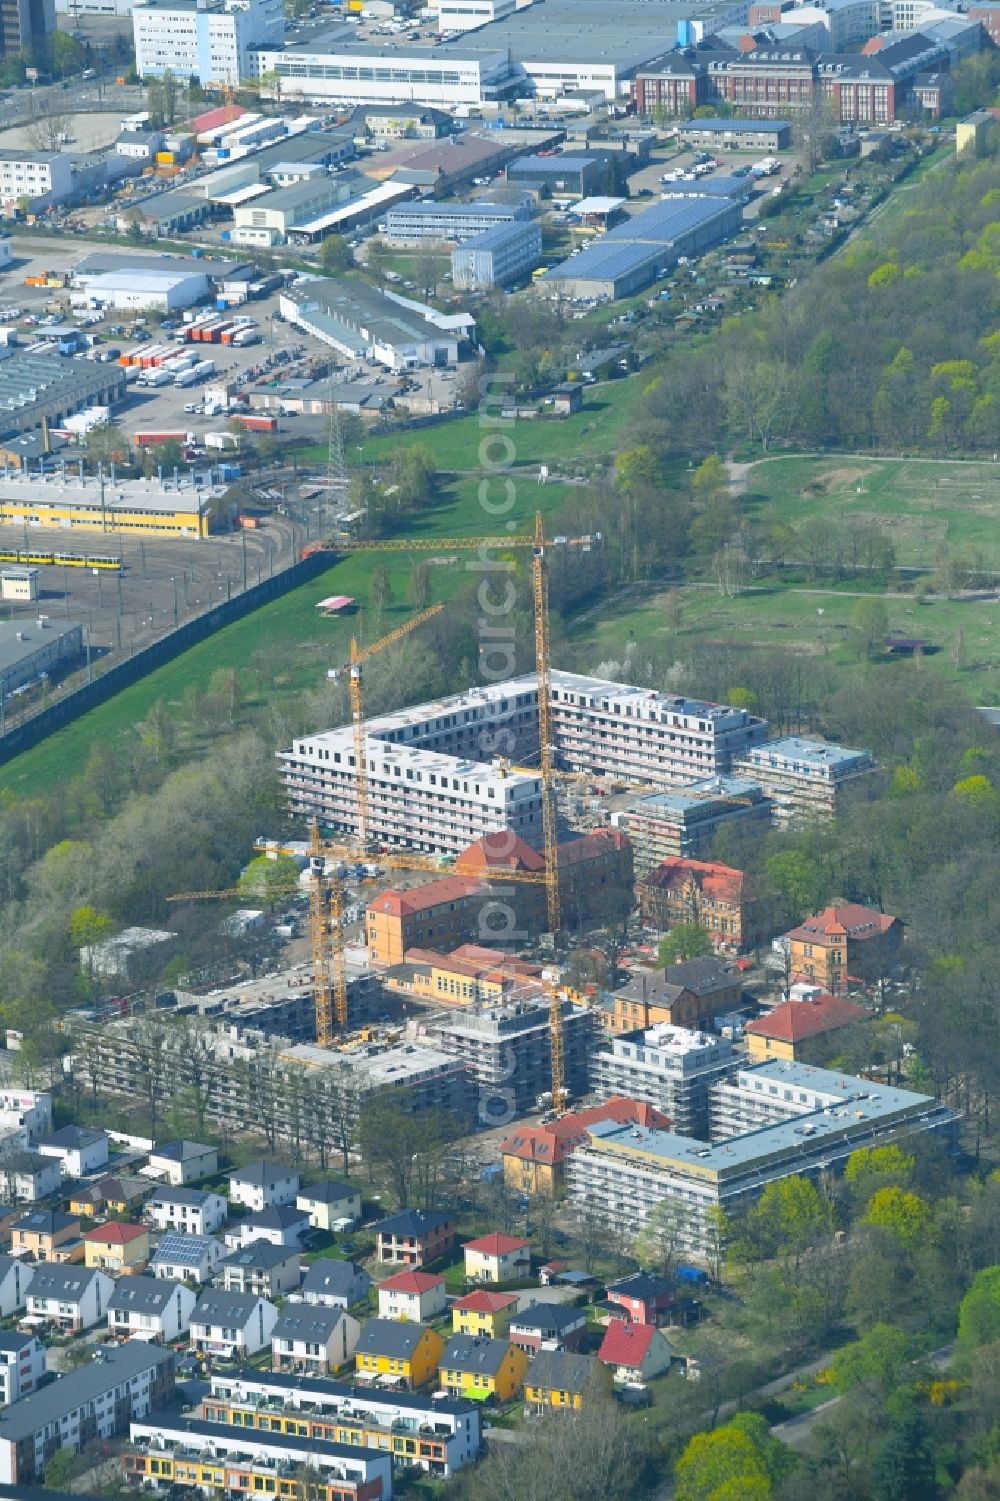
(79, 1150)
(181, 1162)
(548, 1326)
(116, 1247)
(330, 1205)
(335, 1284)
(283, 1225)
(802, 1031)
(109, 1196)
(642, 1298)
(231, 1325)
(313, 1340)
(472, 1365)
(412, 1295)
(261, 1268)
(263, 1185)
(634, 1352)
(150, 1308)
(71, 1297)
(186, 1258)
(22, 1363)
(28, 1177)
(414, 1236)
(396, 1348)
(562, 1379)
(15, 1277)
(844, 945)
(47, 1235)
(497, 1258)
(192, 1210)
(484, 1312)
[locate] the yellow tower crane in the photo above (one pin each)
(359, 655)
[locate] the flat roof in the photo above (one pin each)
(499, 235)
(665, 221)
(26, 378)
(800, 748)
(339, 1391)
(123, 495)
(396, 1065)
(701, 795)
(103, 261)
(732, 126)
(36, 638)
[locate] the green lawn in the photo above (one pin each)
(920, 503)
(791, 620)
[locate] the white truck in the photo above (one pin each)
(187, 377)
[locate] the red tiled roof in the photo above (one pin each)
(496, 1244)
(553, 1142)
(723, 881)
(482, 1301)
(858, 922)
(591, 846)
(626, 1344)
(420, 898)
(501, 848)
(797, 1020)
(412, 1282)
(114, 1234)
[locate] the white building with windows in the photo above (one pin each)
(214, 41)
(25, 1115)
(150, 1308)
(22, 1361)
(42, 177)
(189, 1209)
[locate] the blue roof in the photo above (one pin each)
(668, 219)
(503, 234)
(552, 164)
(603, 262)
(183, 1250)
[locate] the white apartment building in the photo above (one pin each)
(847, 21)
(25, 1117)
(497, 257)
(42, 177)
(803, 778)
(95, 1401)
(22, 1361)
(213, 41)
(435, 781)
(191, 1210)
(671, 1068)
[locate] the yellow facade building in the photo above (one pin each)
(484, 1313)
(396, 1347)
(480, 1368)
(129, 507)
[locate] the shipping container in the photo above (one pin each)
(149, 438)
(259, 424)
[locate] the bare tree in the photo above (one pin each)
(47, 132)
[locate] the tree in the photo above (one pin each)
(979, 1314)
(798, 880)
(659, 1243)
(636, 467)
(380, 595)
(871, 1168)
(395, 1142)
(879, 1359)
(46, 132)
(336, 255)
(687, 940)
(88, 927)
(903, 1468)
(905, 1214)
(269, 879)
(61, 1469)
(734, 1463)
(420, 586)
(869, 627)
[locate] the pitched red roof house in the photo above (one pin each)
(113, 1233)
(797, 1021)
(482, 1301)
(634, 1350)
(553, 1142)
(496, 1244)
(724, 882)
(412, 1282)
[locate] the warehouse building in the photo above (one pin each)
(31, 649)
(737, 135)
(430, 781)
(817, 1119)
(42, 388)
(498, 257)
(135, 507)
(644, 248)
(574, 175)
(671, 1068)
(426, 219)
(361, 322)
(146, 290)
(805, 779)
(300, 209)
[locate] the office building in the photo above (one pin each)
(777, 1120)
(498, 257)
(301, 209)
(427, 219)
(671, 1068)
(689, 994)
(711, 895)
(509, 1051)
(44, 178)
(213, 41)
(223, 1461)
(26, 26)
(805, 779)
(98, 1400)
(438, 1437)
(737, 134)
(682, 823)
(432, 784)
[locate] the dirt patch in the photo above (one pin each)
(833, 479)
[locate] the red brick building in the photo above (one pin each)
(696, 891)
